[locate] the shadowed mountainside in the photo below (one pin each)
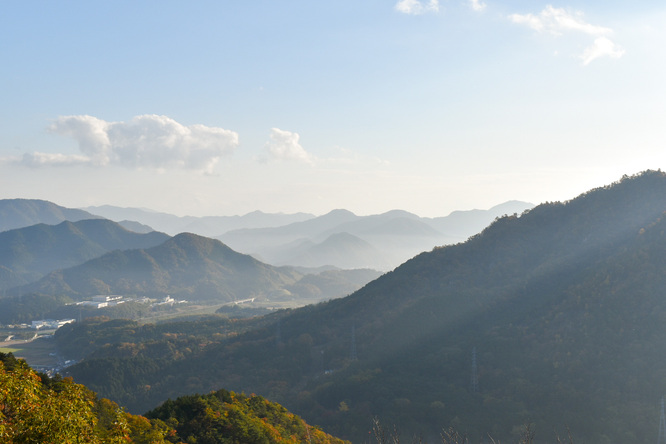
(555, 317)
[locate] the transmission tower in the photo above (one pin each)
(352, 351)
(662, 425)
(474, 381)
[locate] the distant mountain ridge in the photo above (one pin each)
(343, 249)
(205, 226)
(394, 236)
(390, 238)
(19, 213)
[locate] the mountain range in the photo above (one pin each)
(55, 264)
(345, 240)
(208, 226)
(553, 318)
(380, 241)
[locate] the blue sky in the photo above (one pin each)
(225, 107)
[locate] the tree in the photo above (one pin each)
(48, 412)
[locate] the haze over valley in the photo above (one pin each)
(429, 221)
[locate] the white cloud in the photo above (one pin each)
(601, 47)
(558, 21)
(147, 141)
(416, 7)
(477, 5)
(284, 145)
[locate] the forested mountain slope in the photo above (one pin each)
(37, 409)
(185, 266)
(28, 253)
(554, 317)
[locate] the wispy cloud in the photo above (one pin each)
(477, 5)
(416, 7)
(38, 159)
(558, 21)
(285, 145)
(602, 47)
(147, 141)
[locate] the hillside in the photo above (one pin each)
(37, 409)
(186, 266)
(18, 213)
(463, 224)
(31, 252)
(555, 317)
(224, 417)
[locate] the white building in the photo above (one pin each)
(50, 323)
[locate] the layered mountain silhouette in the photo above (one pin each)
(27, 254)
(32, 252)
(382, 241)
(204, 226)
(553, 318)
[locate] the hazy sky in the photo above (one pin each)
(225, 107)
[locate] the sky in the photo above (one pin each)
(226, 107)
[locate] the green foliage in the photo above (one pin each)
(37, 409)
(145, 431)
(31, 412)
(126, 338)
(224, 417)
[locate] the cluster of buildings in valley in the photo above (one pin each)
(102, 301)
(97, 302)
(42, 324)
